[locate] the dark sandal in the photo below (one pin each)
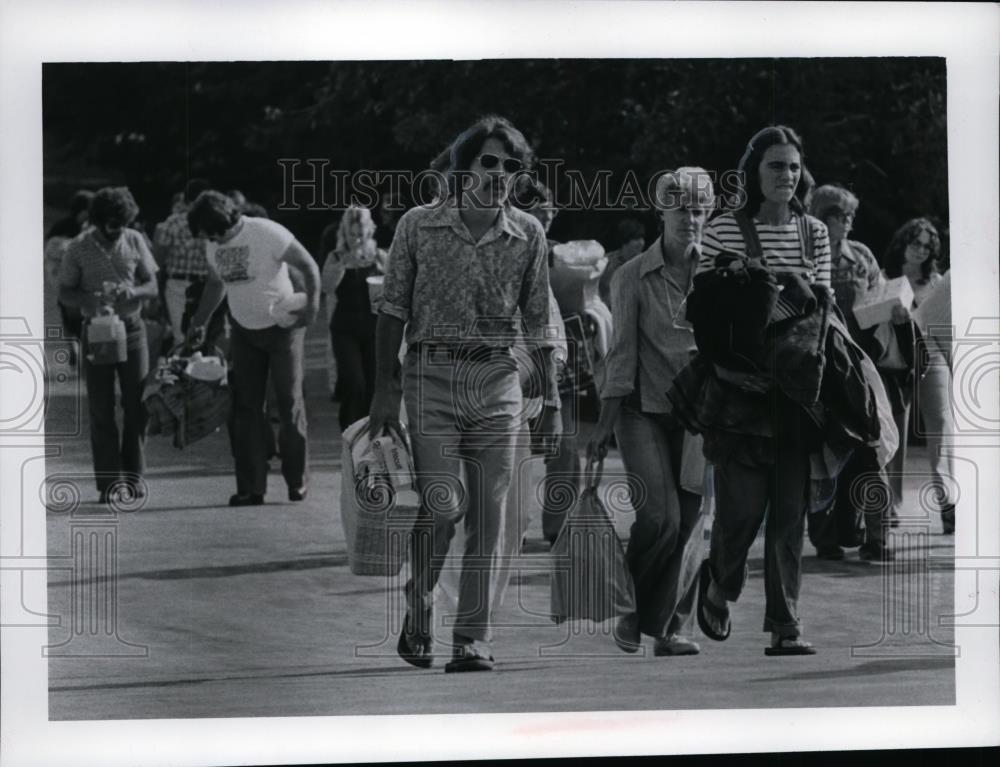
(704, 605)
(414, 648)
(790, 646)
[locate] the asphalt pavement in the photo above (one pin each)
(184, 607)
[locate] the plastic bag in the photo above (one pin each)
(590, 578)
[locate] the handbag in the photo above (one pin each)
(106, 340)
(590, 577)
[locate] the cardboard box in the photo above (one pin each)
(878, 304)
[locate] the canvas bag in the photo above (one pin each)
(590, 577)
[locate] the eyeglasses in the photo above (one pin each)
(490, 161)
(842, 216)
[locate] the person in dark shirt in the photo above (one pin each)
(346, 270)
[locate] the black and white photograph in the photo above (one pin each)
(391, 382)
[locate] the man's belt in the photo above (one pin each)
(438, 352)
(186, 276)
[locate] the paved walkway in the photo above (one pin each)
(219, 612)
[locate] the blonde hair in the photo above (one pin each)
(690, 182)
(355, 214)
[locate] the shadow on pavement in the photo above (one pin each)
(870, 668)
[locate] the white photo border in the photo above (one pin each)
(37, 31)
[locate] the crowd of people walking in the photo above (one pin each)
(727, 357)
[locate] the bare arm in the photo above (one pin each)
(388, 380)
(298, 258)
(597, 448)
(211, 297)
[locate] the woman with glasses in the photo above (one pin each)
(854, 273)
(652, 343)
(913, 253)
(768, 472)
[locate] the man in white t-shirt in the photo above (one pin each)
(248, 260)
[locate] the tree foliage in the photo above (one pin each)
(875, 125)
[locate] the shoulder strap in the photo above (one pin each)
(751, 239)
(806, 240)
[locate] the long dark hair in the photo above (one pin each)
(750, 166)
(464, 148)
(895, 254)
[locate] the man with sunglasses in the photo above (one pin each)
(459, 272)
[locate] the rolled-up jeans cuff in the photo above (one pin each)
(784, 630)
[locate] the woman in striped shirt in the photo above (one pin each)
(770, 226)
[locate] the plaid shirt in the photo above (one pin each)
(450, 289)
(178, 250)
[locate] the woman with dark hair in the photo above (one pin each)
(459, 272)
(913, 253)
(108, 269)
(346, 270)
(775, 240)
(775, 186)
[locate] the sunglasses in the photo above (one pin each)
(490, 161)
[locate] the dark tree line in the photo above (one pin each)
(875, 125)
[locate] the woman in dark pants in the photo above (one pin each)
(109, 268)
(652, 343)
(758, 474)
(352, 323)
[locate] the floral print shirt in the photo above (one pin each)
(450, 289)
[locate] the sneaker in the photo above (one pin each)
(626, 633)
(470, 656)
(832, 553)
(250, 499)
(875, 552)
(675, 644)
(297, 495)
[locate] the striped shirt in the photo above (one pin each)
(781, 246)
(89, 263)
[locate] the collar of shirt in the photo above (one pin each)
(651, 259)
(847, 252)
(448, 215)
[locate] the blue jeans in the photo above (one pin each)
(665, 515)
(464, 417)
(256, 354)
(113, 456)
